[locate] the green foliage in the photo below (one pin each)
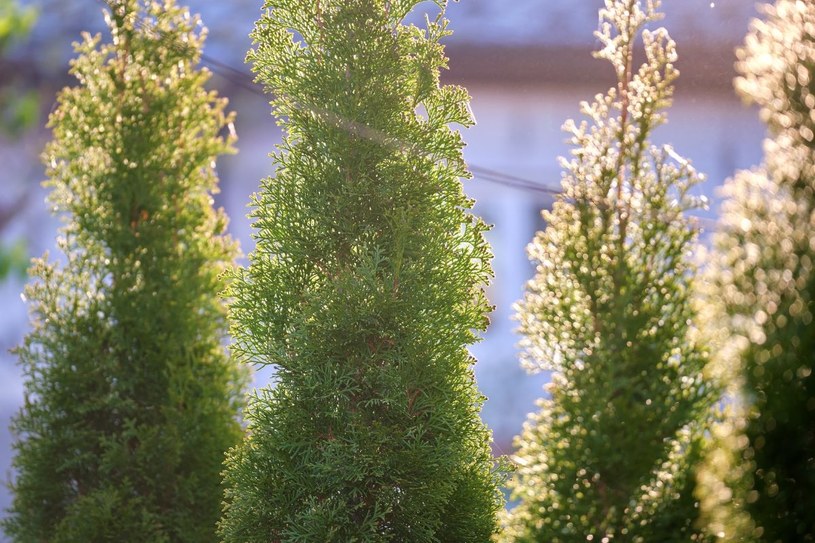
(14, 22)
(19, 111)
(759, 479)
(609, 456)
(13, 260)
(364, 290)
(131, 400)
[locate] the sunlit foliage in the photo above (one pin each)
(364, 291)
(759, 480)
(131, 401)
(609, 455)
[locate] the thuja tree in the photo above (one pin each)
(608, 457)
(130, 399)
(365, 287)
(759, 481)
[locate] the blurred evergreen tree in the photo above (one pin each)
(364, 290)
(130, 398)
(759, 480)
(18, 112)
(609, 456)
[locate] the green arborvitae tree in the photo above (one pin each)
(759, 478)
(364, 291)
(609, 455)
(131, 401)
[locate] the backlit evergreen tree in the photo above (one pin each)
(364, 290)
(608, 457)
(759, 481)
(131, 400)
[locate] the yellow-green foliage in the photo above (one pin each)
(18, 109)
(131, 400)
(18, 112)
(758, 483)
(609, 456)
(364, 291)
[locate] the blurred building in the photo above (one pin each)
(526, 63)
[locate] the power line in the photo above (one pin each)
(513, 181)
(247, 82)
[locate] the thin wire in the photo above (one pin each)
(247, 85)
(513, 181)
(224, 66)
(247, 82)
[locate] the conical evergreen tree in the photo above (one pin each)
(759, 480)
(131, 400)
(363, 291)
(609, 455)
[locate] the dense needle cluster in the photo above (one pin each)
(759, 480)
(131, 400)
(608, 457)
(364, 291)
